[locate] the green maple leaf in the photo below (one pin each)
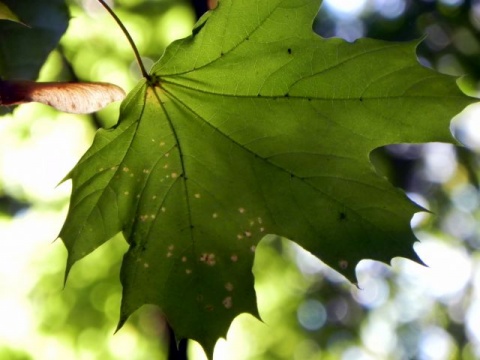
(24, 49)
(254, 125)
(7, 14)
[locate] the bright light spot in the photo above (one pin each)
(379, 336)
(466, 198)
(311, 314)
(473, 313)
(467, 127)
(350, 29)
(412, 304)
(33, 168)
(449, 268)
(473, 330)
(23, 262)
(93, 7)
(419, 217)
(436, 343)
(176, 23)
(390, 9)
(51, 348)
(459, 224)
(373, 293)
(345, 8)
(195, 350)
(306, 262)
(439, 162)
(356, 353)
(242, 341)
(453, 3)
(124, 343)
(17, 320)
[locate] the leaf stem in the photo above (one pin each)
(129, 38)
(176, 351)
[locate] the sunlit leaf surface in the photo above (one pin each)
(254, 125)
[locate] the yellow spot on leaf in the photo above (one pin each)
(208, 259)
(229, 286)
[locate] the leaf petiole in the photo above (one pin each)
(129, 38)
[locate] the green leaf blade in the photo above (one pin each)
(255, 126)
(185, 247)
(7, 14)
(99, 206)
(25, 49)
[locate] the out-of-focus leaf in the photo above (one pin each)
(23, 50)
(7, 14)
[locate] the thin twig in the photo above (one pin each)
(129, 38)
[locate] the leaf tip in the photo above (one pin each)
(68, 267)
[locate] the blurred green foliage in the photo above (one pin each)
(24, 49)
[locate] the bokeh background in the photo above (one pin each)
(403, 311)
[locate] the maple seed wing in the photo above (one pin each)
(76, 98)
